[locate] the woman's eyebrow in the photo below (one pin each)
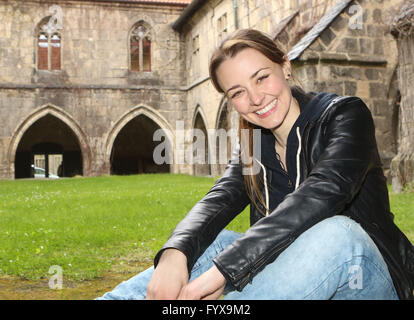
(251, 77)
(255, 74)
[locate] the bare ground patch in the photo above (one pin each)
(16, 288)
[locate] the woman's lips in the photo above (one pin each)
(270, 108)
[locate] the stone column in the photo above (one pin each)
(402, 166)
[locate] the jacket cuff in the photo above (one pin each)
(235, 282)
(172, 246)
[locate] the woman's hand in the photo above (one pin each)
(169, 277)
(208, 286)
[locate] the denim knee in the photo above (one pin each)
(341, 225)
(333, 257)
(339, 221)
(344, 233)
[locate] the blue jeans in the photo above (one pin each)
(335, 259)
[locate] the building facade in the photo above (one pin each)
(342, 47)
(93, 81)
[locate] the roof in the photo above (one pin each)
(317, 29)
(165, 1)
(300, 47)
(403, 23)
(283, 24)
(173, 2)
(406, 10)
(187, 13)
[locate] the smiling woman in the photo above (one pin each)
(268, 90)
(264, 97)
(315, 239)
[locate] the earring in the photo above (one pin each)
(288, 76)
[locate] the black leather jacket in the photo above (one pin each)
(342, 175)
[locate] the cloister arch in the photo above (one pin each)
(30, 135)
(223, 122)
(199, 122)
(129, 144)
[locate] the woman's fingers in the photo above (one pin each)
(209, 285)
(170, 276)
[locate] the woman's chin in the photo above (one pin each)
(267, 123)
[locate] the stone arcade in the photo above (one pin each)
(93, 80)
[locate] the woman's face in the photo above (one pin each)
(257, 87)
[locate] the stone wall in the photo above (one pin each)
(354, 55)
(96, 94)
(357, 57)
(402, 166)
(95, 91)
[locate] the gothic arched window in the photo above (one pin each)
(55, 52)
(49, 41)
(48, 51)
(140, 49)
(42, 52)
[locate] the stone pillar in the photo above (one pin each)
(402, 166)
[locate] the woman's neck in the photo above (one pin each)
(281, 133)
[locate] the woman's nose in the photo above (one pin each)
(255, 97)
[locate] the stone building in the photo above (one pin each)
(90, 80)
(342, 47)
(93, 80)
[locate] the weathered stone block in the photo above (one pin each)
(350, 88)
(372, 74)
(348, 45)
(377, 89)
(378, 47)
(327, 36)
(365, 46)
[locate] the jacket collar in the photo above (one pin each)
(311, 107)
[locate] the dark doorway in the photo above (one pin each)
(396, 123)
(49, 148)
(223, 123)
(203, 168)
(132, 151)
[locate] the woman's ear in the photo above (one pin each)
(286, 67)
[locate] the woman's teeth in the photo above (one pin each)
(267, 108)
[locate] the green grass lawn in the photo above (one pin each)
(402, 205)
(87, 225)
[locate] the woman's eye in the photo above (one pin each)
(236, 94)
(260, 79)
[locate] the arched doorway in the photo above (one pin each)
(396, 122)
(223, 123)
(48, 147)
(201, 166)
(133, 147)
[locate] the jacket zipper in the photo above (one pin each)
(248, 273)
(308, 128)
(306, 133)
(283, 171)
(286, 242)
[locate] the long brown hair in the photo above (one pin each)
(236, 42)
